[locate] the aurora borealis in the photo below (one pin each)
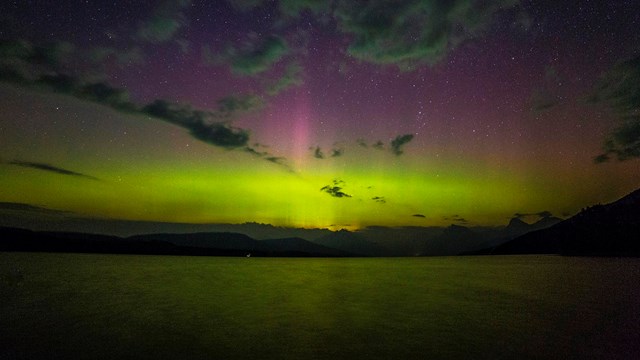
(318, 114)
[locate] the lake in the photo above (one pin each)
(85, 306)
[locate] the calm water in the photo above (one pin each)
(152, 307)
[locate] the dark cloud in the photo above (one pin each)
(292, 77)
(413, 32)
(128, 56)
(104, 93)
(335, 190)
(456, 219)
(602, 158)
(165, 22)
(24, 62)
(50, 168)
(281, 161)
(337, 152)
(212, 127)
(379, 199)
(623, 143)
(541, 100)
(418, 215)
(245, 5)
(293, 8)
(49, 67)
(255, 56)
(378, 145)
(199, 123)
(548, 94)
(230, 106)
(11, 206)
(288, 8)
(99, 92)
(399, 142)
(277, 160)
(541, 214)
(219, 134)
(620, 89)
(362, 143)
(45, 67)
(317, 153)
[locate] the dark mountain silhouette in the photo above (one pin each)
(457, 239)
(372, 241)
(400, 241)
(603, 230)
(454, 240)
(203, 244)
(302, 246)
(516, 225)
(213, 240)
(14, 239)
(352, 243)
(545, 222)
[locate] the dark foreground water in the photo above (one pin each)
(152, 307)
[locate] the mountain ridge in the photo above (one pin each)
(601, 230)
(196, 244)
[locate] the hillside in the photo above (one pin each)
(200, 244)
(602, 230)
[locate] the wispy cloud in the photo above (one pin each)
(164, 23)
(548, 95)
(255, 56)
(292, 77)
(293, 8)
(413, 32)
(213, 127)
(541, 214)
(200, 124)
(281, 161)
(22, 207)
(456, 219)
(620, 89)
(50, 168)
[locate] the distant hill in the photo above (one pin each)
(202, 244)
(428, 241)
(458, 239)
(517, 226)
(612, 229)
(14, 239)
(211, 240)
(545, 222)
(454, 240)
(302, 246)
(351, 242)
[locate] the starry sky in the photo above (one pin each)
(318, 114)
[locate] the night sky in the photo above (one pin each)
(327, 114)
